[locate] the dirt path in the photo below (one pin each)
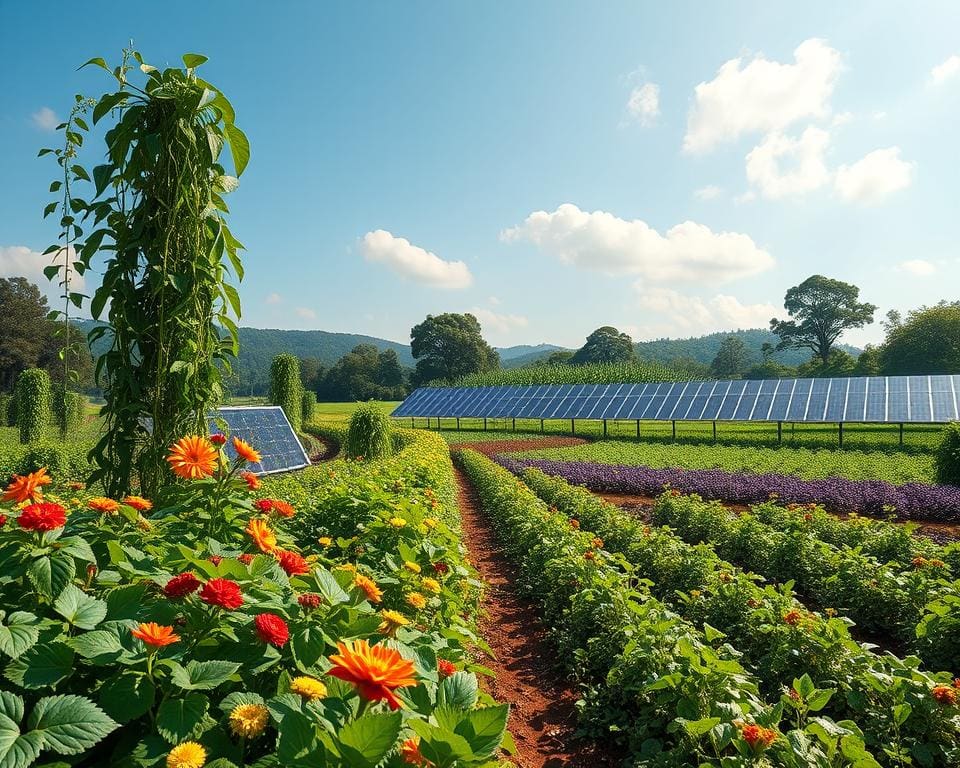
(543, 715)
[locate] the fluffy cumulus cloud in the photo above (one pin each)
(606, 243)
(782, 166)
(918, 267)
(874, 177)
(45, 119)
(21, 261)
(644, 103)
(946, 69)
(498, 322)
(675, 314)
(411, 261)
(760, 95)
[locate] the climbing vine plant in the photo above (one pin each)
(156, 215)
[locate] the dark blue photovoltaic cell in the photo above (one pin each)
(944, 406)
(712, 409)
(836, 400)
(781, 399)
(856, 400)
(747, 400)
(730, 400)
(798, 400)
(898, 405)
(817, 404)
(919, 398)
(266, 428)
(876, 399)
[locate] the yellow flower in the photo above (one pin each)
(430, 522)
(412, 567)
(346, 567)
(187, 755)
(397, 522)
(431, 585)
(392, 621)
(325, 541)
(308, 687)
(249, 720)
(416, 600)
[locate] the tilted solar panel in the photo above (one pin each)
(266, 428)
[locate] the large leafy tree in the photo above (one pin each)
(24, 329)
(732, 359)
(820, 309)
(450, 345)
(364, 373)
(605, 345)
(928, 341)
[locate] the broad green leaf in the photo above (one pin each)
(191, 60)
(77, 547)
(203, 675)
(239, 147)
(98, 645)
(70, 724)
(308, 645)
(181, 719)
(42, 665)
(79, 608)
(18, 633)
(328, 587)
(125, 602)
(127, 695)
(818, 700)
(107, 102)
(49, 575)
(458, 691)
(366, 741)
(97, 61)
(697, 728)
(238, 698)
(484, 728)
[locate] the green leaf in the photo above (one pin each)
(203, 675)
(45, 664)
(484, 728)
(107, 102)
(366, 741)
(78, 548)
(192, 60)
(180, 719)
(697, 728)
(308, 645)
(328, 587)
(101, 178)
(459, 691)
(18, 633)
(239, 147)
(96, 62)
(818, 700)
(804, 686)
(49, 575)
(49, 208)
(70, 724)
(79, 608)
(125, 602)
(127, 695)
(16, 750)
(51, 271)
(99, 645)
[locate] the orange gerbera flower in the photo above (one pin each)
(368, 587)
(155, 635)
(193, 458)
(245, 451)
(103, 504)
(252, 481)
(27, 487)
(138, 503)
(377, 671)
(262, 536)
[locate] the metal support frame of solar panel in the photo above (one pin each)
(874, 399)
(267, 429)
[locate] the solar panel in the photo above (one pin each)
(266, 428)
(927, 399)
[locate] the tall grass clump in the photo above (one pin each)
(637, 372)
(947, 458)
(370, 433)
(309, 405)
(286, 390)
(33, 404)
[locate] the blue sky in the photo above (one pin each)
(667, 168)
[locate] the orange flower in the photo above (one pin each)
(758, 737)
(368, 587)
(155, 635)
(27, 487)
(410, 753)
(103, 504)
(377, 671)
(792, 617)
(944, 695)
(283, 508)
(138, 503)
(252, 481)
(261, 534)
(193, 458)
(245, 451)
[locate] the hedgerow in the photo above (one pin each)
(33, 404)
(948, 455)
(308, 406)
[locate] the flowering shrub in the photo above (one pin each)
(200, 632)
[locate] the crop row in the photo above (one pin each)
(893, 700)
(675, 694)
(870, 497)
(800, 462)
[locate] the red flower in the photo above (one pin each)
(944, 695)
(441, 567)
(44, 516)
(246, 558)
(3, 520)
(445, 668)
(309, 600)
(272, 629)
(218, 439)
(223, 593)
(264, 505)
(252, 481)
(181, 585)
(215, 559)
(291, 562)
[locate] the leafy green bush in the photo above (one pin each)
(68, 410)
(286, 390)
(370, 433)
(308, 405)
(33, 404)
(6, 399)
(948, 455)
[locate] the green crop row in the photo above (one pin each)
(592, 373)
(672, 693)
(892, 699)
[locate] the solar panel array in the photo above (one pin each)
(267, 429)
(883, 399)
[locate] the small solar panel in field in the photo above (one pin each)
(266, 428)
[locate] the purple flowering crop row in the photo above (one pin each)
(911, 501)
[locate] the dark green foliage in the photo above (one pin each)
(5, 401)
(927, 342)
(364, 374)
(286, 390)
(158, 201)
(308, 406)
(820, 310)
(732, 358)
(369, 435)
(605, 345)
(24, 329)
(68, 410)
(450, 345)
(948, 455)
(838, 364)
(33, 404)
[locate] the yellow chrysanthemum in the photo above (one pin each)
(431, 522)
(308, 687)
(431, 585)
(397, 522)
(187, 755)
(412, 567)
(392, 621)
(249, 720)
(325, 541)
(416, 600)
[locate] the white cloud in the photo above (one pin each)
(305, 313)
(45, 119)
(842, 119)
(498, 322)
(493, 300)
(762, 95)
(805, 157)
(603, 242)
(945, 69)
(917, 267)
(21, 261)
(644, 103)
(678, 315)
(709, 192)
(874, 177)
(273, 298)
(411, 261)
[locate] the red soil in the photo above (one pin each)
(543, 716)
